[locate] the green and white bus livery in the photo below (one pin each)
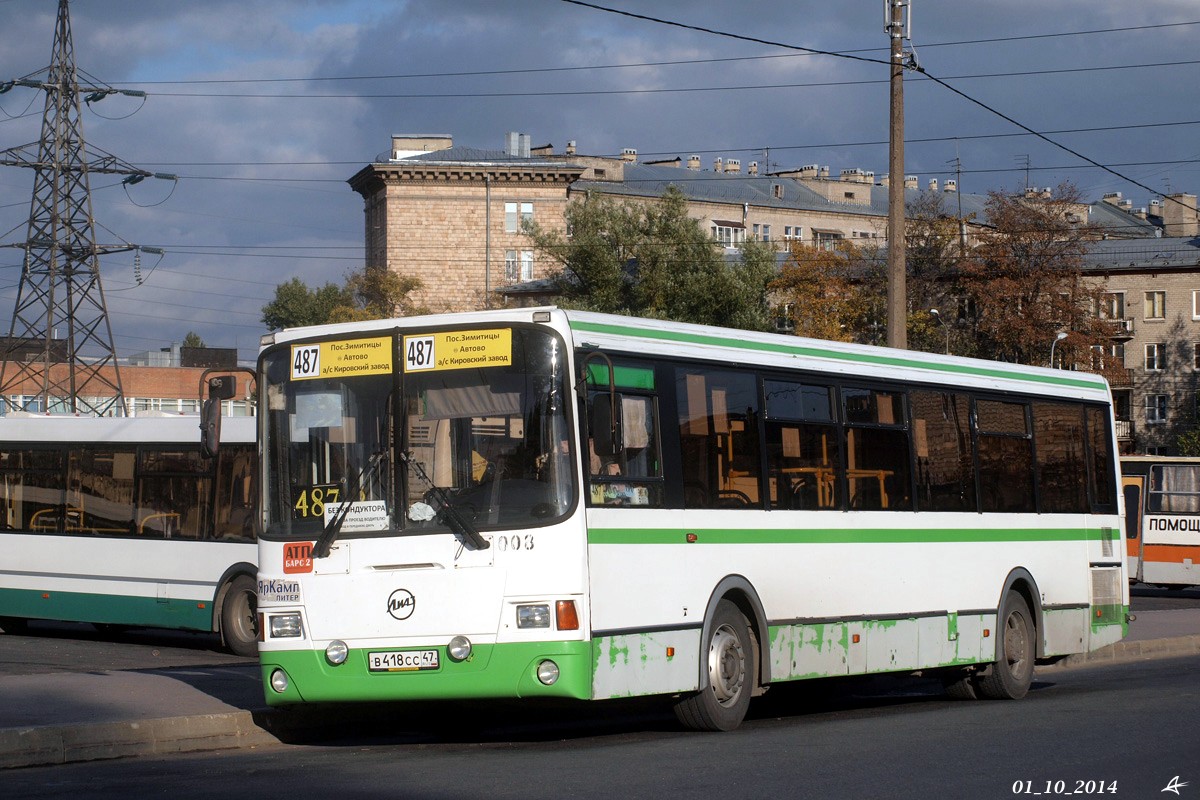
(545, 503)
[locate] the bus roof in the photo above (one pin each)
(724, 345)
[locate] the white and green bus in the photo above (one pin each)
(123, 522)
(542, 503)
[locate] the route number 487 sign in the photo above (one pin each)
(458, 350)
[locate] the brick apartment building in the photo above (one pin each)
(451, 216)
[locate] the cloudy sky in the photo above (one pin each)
(264, 109)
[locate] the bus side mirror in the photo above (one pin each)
(220, 388)
(607, 439)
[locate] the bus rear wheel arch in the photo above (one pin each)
(238, 614)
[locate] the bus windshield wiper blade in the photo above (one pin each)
(450, 515)
(325, 541)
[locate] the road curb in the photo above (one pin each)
(1133, 651)
(64, 744)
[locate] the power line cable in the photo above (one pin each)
(913, 66)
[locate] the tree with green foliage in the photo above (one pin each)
(375, 293)
(295, 304)
(193, 340)
(370, 293)
(650, 259)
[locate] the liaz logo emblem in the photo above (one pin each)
(297, 557)
(401, 604)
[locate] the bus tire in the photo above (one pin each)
(960, 684)
(1010, 676)
(14, 626)
(724, 696)
(239, 617)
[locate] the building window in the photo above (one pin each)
(1112, 305)
(1156, 305)
(1195, 304)
(755, 232)
(826, 240)
(1196, 355)
(1111, 355)
(1156, 409)
(766, 233)
(1156, 357)
(793, 232)
(510, 266)
(728, 235)
(516, 215)
(526, 265)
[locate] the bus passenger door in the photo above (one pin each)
(1134, 486)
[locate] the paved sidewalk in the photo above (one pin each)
(60, 718)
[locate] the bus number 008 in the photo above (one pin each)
(515, 542)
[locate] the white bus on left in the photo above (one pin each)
(123, 522)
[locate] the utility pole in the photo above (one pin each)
(60, 277)
(897, 297)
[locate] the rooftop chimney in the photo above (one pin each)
(752, 169)
(693, 162)
(571, 148)
(717, 165)
(933, 184)
(911, 182)
(733, 165)
(951, 185)
(629, 154)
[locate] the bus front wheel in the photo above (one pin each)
(1010, 676)
(239, 617)
(730, 667)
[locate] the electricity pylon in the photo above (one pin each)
(60, 277)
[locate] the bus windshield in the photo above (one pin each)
(488, 445)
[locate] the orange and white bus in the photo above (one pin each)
(1162, 519)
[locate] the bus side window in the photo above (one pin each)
(877, 459)
(718, 432)
(1005, 456)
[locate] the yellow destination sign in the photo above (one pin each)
(457, 350)
(345, 359)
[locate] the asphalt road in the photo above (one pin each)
(1129, 728)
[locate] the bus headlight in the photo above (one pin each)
(279, 681)
(533, 616)
(459, 648)
(286, 626)
(336, 652)
(547, 672)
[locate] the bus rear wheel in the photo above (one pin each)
(729, 657)
(1009, 678)
(239, 617)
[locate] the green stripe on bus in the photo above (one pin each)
(111, 609)
(838, 535)
(623, 376)
(819, 352)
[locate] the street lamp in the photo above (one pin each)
(933, 312)
(1058, 337)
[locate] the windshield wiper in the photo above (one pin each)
(325, 541)
(450, 515)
